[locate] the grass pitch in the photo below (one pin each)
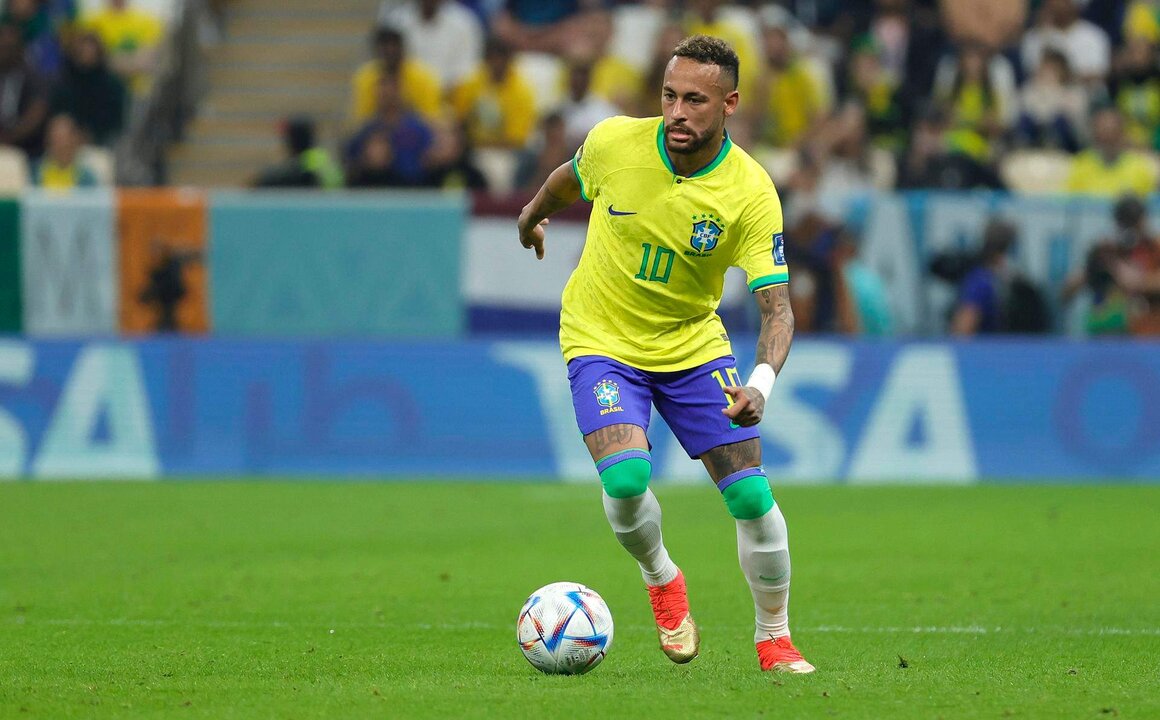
(340, 600)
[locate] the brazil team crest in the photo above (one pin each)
(608, 395)
(707, 231)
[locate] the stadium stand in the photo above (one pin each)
(1035, 172)
(276, 58)
(13, 170)
(955, 98)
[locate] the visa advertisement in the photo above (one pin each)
(840, 412)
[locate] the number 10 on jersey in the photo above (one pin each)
(662, 256)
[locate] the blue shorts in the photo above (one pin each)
(606, 392)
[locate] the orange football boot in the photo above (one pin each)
(675, 627)
(779, 655)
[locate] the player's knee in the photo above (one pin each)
(747, 494)
(625, 474)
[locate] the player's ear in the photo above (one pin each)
(731, 99)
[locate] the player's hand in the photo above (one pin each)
(748, 406)
(532, 237)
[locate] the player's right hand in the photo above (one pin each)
(747, 408)
(533, 237)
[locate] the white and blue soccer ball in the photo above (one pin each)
(564, 629)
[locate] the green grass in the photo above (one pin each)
(339, 600)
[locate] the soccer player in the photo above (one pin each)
(675, 203)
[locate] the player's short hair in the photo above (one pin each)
(710, 51)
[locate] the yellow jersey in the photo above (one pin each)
(647, 287)
(125, 31)
(418, 88)
(1131, 172)
(502, 114)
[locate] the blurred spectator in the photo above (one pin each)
(991, 23)
(495, 103)
(792, 100)
(60, 168)
(910, 42)
(1059, 25)
(582, 108)
(306, 164)
(1142, 20)
(1053, 108)
(978, 309)
(374, 164)
(1136, 269)
(836, 291)
(877, 92)
(648, 99)
(23, 97)
(41, 40)
(131, 38)
(978, 94)
(839, 160)
(442, 34)
(550, 151)
(408, 136)
(551, 26)
(1129, 256)
(936, 159)
(418, 84)
(1108, 168)
(449, 162)
(89, 92)
(1135, 90)
(993, 296)
(704, 17)
(864, 306)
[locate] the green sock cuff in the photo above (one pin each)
(749, 498)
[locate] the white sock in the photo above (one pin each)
(763, 549)
(637, 524)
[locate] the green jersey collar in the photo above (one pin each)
(664, 153)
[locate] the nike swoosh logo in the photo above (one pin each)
(774, 579)
(618, 212)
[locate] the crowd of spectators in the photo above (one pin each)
(836, 96)
(67, 79)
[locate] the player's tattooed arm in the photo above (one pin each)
(748, 403)
(560, 190)
(776, 326)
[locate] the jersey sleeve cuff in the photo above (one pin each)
(576, 172)
(779, 278)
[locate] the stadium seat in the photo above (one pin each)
(883, 168)
(499, 167)
(1153, 159)
(100, 161)
(780, 163)
(543, 72)
(13, 171)
(1035, 171)
(164, 10)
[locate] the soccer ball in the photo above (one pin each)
(564, 629)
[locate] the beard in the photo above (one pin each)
(695, 143)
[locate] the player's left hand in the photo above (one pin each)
(532, 236)
(747, 408)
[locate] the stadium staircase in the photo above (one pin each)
(277, 58)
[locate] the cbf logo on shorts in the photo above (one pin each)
(707, 231)
(778, 249)
(608, 395)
